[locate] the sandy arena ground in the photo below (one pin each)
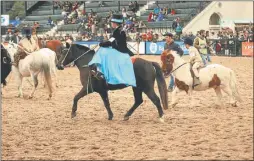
(41, 129)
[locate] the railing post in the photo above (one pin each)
(118, 5)
(53, 7)
(25, 8)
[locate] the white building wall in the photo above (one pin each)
(229, 11)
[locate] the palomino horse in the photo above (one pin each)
(213, 76)
(145, 72)
(32, 65)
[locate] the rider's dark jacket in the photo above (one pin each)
(119, 43)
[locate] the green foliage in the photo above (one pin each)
(18, 9)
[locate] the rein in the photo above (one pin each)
(178, 67)
(77, 57)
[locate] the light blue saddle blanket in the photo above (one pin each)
(116, 67)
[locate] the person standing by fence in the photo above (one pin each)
(171, 45)
(201, 44)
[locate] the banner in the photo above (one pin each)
(14, 22)
(4, 20)
(247, 49)
(158, 47)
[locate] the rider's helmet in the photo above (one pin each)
(188, 41)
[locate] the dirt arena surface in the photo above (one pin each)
(42, 129)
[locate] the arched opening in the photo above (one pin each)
(214, 19)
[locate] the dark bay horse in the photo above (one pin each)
(145, 72)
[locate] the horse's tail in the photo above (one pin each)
(233, 86)
(161, 85)
(47, 76)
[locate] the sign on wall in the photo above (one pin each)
(5, 20)
(247, 49)
(158, 47)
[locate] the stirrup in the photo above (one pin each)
(97, 75)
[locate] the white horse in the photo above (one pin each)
(213, 76)
(32, 65)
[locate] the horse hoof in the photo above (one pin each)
(173, 105)
(126, 118)
(234, 104)
(73, 114)
(162, 119)
(30, 97)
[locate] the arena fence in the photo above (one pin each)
(229, 48)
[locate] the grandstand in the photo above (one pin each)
(40, 11)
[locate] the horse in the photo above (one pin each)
(145, 72)
(31, 65)
(5, 65)
(213, 76)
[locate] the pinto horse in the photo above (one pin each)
(213, 76)
(145, 72)
(31, 65)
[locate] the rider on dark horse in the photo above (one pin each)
(117, 41)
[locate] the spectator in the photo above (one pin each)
(156, 10)
(17, 18)
(160, 17)
(15, 38)
(50, 22)
(150, 17)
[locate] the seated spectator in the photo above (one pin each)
(150, 17)
(173, 12)
(50, 22)
(156, 10)
(160, 17)
(165, 11)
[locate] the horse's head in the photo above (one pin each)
(167, 59)
(73, 53)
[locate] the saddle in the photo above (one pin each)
(18, 57)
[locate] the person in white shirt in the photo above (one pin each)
(195, 58)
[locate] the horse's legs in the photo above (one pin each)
(190, 91)
(20, 79)
(174, 97)
(156, 100)
(55, 74)
(81, 94)
(219, 95)
(227, 90)
(35, 81)
(104, 96)
(138, 101)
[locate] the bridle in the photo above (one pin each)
(77, 57)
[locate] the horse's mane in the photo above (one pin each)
(81, 47)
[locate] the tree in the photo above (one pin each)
(18, 9)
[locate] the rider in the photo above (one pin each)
(117, 41)
(28, 43)
(195, 58)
